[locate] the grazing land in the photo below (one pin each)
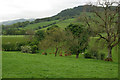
(75, 43)
(22, 65)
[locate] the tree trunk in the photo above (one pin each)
(77, 55)
(56, 51)
(110, 52)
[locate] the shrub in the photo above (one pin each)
(12, 46)
(26, 49)
(102, 56)
(9, 47)
(34, 48)
(94, 55)
(87, 55)
(18, 45)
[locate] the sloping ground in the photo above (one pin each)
(60, 23)
(41, 24)
(21, 65)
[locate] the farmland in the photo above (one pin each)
(21, 65)
(13, 39)
(75, 43)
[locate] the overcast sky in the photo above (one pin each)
(16, 9)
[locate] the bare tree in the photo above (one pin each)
(105, 20)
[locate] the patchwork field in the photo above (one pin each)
(22, 65)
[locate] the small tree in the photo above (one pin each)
(40, 34)
(78, 40)
(55, 38)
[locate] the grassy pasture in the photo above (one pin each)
(13, 39)
(11, 42)
(60, 23)
(21, 65)
(41, 24)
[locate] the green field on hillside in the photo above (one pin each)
(41, 24)
(13, 39)
(60, 23)
(22, 65)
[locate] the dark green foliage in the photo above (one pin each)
(26, 49)
(54, 26)
(18, 45)
(12, 47)
(29, 49)
(102, 56)
(40, 34)
(31, 43)
(81, 35)
(34, 49)
(87, 55)
(8, 47)
(94, 54)
(15, 29)
(45, 53)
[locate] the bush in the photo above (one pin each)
(34, 48)
(45, 53)
(18, 45)
(12, 46)
(87, 55)
(26, 49)
(93, 54)
(29, 49)
(102, 56)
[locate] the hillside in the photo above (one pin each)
(62, 19)
(10, 22)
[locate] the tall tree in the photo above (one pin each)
(105, 19)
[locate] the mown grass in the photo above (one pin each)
(22, 65)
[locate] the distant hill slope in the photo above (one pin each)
(67, 13)
(72, 12)
(10, 22)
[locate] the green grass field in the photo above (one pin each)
(22, 65)
(60, 23)
(13, 39)
(33, 26)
